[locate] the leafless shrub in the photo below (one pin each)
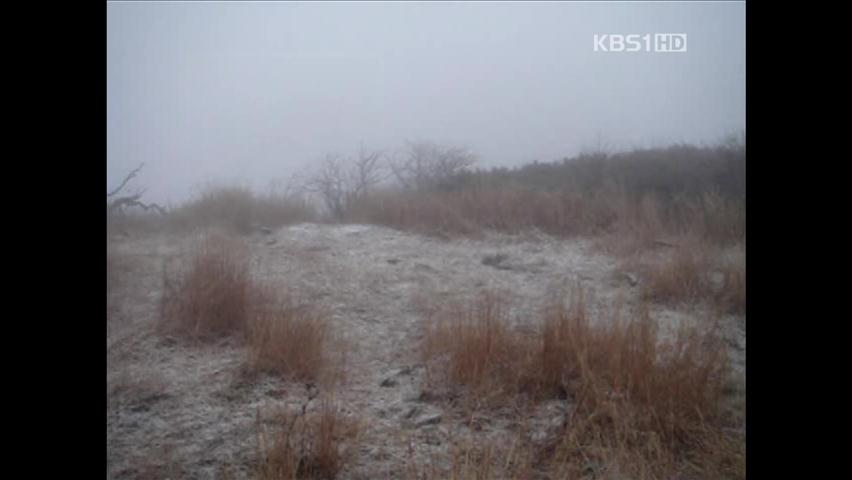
(342, 182)
(427, 165)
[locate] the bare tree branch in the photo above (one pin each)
(133, 201)
(126, 179)
(368, 172)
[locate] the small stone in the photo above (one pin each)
(432, 419)
(389, 382)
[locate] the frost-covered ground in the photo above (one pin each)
(182, 411)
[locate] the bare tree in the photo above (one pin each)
(329, 184)
(115, 204)
(368, 171)
(340, 182)
(601, 148)
(426, 165)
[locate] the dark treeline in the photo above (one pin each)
(665, 172)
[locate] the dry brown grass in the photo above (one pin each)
(290, 340)
(306, 445)
(421, 212)
(731, 297)
(211, 294)
(647, 405)
(650, 403)
(626, 224)
(468, 212)
(691, 272)
(681, 276)
(238, 209)
(477, 458)
(475, 347)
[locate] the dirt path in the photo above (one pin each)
(183, 411)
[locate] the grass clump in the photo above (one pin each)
(210, 295)
(306, 444)
(291, 341)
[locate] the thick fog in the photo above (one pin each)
(254, 92)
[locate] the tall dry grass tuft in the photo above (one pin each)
(643, 400)
(290, 340)
(211, 294)
(306, 445)
(647, 404)
(473, 346)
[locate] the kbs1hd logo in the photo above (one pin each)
(656, 43)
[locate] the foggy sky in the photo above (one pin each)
(252, 92)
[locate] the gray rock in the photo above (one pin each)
(632, 279)
(495, 260)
